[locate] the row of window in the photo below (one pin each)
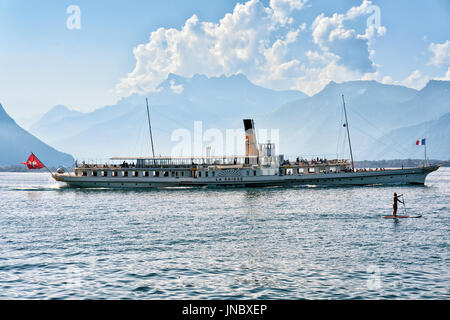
(150, 173)
(213, 173)
(292, 171)
(134, 173)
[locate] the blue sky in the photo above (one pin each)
(280, 44)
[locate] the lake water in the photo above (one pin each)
(262, 243)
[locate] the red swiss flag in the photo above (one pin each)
(33, 162)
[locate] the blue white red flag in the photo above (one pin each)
(420, 142)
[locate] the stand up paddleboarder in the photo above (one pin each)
(396, 199)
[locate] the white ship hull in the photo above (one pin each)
(383, 177)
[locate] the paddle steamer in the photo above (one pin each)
(259, 167)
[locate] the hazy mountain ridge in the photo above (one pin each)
(58, 113)
(16, 144)
(313, 126)
(429, 103)
(436, 133)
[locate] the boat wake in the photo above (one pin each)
(50, 187)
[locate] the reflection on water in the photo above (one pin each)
(33, 195)
(199, 243)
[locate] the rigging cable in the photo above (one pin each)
(339, 132)
(392, 144)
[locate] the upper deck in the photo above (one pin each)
(185, 166)
(259, 158)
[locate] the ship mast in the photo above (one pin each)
(348, 134)
(150, 129)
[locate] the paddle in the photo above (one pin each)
(404, 207)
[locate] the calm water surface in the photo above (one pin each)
(264, 243)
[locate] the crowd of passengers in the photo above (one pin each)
(122, 165)
(308, 162)
(285, 162)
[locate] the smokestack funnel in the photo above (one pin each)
(251, 145)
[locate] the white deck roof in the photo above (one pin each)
(182, 158)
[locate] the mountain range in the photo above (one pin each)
(384, 120)
(437, 133)
(16, 144)
(314, 126)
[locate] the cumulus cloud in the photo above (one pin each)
(263, 43)
(446, 77)
(415, 80)
(282, 9)
(332, 35)
(176, 88)
(441, 53)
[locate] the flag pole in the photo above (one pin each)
(425, 145)
(43, 164)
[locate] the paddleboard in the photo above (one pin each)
(395, 217)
